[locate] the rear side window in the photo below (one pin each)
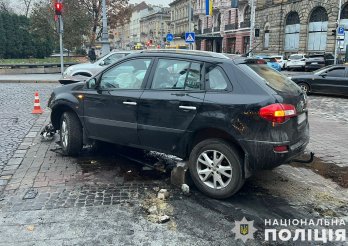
(336, 72)
(272, 78)
(216, 78)
(177, 74)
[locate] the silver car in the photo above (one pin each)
(89, 69)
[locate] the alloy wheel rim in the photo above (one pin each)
(214, 169)
(64, 132)
(304, 88)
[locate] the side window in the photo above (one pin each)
(176, 74)
(336, 72)
(128, 75)
(215, 78)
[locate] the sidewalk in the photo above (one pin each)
(30, 78)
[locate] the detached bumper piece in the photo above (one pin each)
(311, 158)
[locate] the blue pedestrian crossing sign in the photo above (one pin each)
(190, 37)
(340, 30)
(169, 37)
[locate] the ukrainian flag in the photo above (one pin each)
(209, 7)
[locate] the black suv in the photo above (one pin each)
(227, 118)
(317, 61)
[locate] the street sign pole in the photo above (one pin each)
(338, 23)
(190, 17)
(61, 30)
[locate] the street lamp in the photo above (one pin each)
(105, 34)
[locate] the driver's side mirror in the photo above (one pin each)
(102, 63)
(323, 74)
(92, 83)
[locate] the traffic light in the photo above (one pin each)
(333, 32)
(59, 8)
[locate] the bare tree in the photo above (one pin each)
(27, 4)
(117, 11)
(5, 6)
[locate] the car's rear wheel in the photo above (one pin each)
(216, 168)
(304, 87)
(71, 137)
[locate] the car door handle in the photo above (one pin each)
(188, 107)
(130, 103)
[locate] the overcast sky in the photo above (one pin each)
(154, 2)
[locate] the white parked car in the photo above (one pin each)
(281, 60)
(89, 69)
(296, 61)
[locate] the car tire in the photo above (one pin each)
(288, 68)
(304, 86)
(71, 137)
(222, 157)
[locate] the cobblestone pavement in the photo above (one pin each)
(16, 104)
(104, 199)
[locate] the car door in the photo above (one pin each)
(170, 104)
(330, 81)
(110, 110)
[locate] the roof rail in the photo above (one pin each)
(187, 52)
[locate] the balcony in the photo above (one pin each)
(245, 24)
(231, 27)
(207, 30)
(217, 29)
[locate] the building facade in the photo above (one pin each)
(155, 26)
(294, 26)
(139, 11)
(227, 30)
(179, 24)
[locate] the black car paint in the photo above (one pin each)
(319, 83)
(157, 123)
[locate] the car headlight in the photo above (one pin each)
(68, 71)
(289, 77)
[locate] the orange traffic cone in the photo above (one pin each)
(37, 108)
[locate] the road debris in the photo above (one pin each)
(163, 194)
(185, 189)
(47, 133)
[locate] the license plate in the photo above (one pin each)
(301, 118)
(314, 63)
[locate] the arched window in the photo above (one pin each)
(292, 31)
(317, 30)
(344, 12)
(266, 37)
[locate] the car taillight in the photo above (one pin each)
(278, 113)
(281, 149)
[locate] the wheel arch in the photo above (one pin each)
(83, 73)
(57, 113)
(211, 132)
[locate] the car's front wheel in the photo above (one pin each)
(216, 168)
(304, 87)
(71, 137)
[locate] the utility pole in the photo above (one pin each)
(105, 34)
(58, 9)
(190, 21)
(252, 26)
(337, 26)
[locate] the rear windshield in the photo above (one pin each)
(272, 78)
(296, 57)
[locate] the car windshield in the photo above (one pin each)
(296, 57)
(272, 78)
